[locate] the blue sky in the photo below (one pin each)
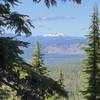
(67, 18)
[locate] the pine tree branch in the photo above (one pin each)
(8, 84)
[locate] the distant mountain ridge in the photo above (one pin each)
(60, 48)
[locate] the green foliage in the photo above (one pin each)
(6, 93)
(48, 88)
(61, 78)
(61, 82)
(37, 61)
(92, 62)
(11, 62)
(43, 87)
(17, 74)
(72, 80)
(13, 20)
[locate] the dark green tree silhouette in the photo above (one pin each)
(20, 76)
(13, 20)
(11, 63)
(92, 62)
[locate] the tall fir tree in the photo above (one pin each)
(37, 60)
(61, 78)
(61, 82)
(92, 62)
(39, 67)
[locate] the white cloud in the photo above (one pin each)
(53, 18)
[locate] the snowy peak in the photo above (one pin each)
(53, 34)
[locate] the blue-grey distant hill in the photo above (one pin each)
(56, 49)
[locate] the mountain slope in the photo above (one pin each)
(56, 49)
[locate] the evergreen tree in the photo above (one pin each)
(38, 66)
(14, 71)
(37, 60)
(19, 75)
(61, 82)
(92, 62)
(10, 19)
(61, 79)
